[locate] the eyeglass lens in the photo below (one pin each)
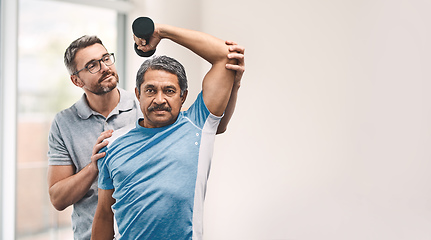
(94, 66)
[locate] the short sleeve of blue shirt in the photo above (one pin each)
(198, 112)
(105, 180)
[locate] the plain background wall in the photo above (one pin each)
(331, 136)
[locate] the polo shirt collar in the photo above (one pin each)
(126, 103)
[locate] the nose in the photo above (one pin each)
(159, 98)
(103, 66)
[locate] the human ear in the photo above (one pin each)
(183, 98)
(75, 80)
(137, 92)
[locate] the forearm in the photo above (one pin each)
(230, 109)
(103, 226)
(206, 46)
(103, 223)
(70, 190)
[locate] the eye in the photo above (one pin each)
(170, 91)
(91, 65)
(149, 91)
(106, 59)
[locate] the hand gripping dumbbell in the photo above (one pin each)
(143, 27)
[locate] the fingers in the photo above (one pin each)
(100, 143)
(240, 66)
(104, 135)
(237, 68)
(139, 41)
(229, 42)
(237, 48)
(236, 52)
(234, 47)
(99, 146)
(149, 44)
(97, 156)
(142, 44)
(237, 56)
(145, 48)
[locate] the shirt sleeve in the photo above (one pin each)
(198, 112)
(105, 181)
(57, 151)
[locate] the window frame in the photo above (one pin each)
(9, 97)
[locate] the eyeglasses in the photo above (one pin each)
(94, 66)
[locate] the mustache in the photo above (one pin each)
(106, 74)
(162, 107)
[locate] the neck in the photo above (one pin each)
(104, 103)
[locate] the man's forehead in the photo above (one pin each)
(159, 83)
(160, 78)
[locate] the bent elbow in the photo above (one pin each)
(58, 206)
(221, 130)
(56, 202)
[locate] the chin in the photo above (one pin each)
(158, 122)
(105, 89)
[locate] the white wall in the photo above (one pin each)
(331, 136)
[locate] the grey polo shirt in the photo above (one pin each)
(73, 133)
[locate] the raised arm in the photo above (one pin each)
(218, 82)
(66, 187)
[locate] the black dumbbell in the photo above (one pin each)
(143, 27)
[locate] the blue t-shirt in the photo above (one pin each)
(160, 175)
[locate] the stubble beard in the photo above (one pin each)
(100, 89)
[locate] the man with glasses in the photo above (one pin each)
(94, 66)
(75, 137)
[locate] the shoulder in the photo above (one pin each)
(128, 101)
(198, 112)
(79, 110)
(118, 134)
(198, 105)
(125, 93)
(66, 116)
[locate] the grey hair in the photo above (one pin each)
(164, 63)
(78, 44)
